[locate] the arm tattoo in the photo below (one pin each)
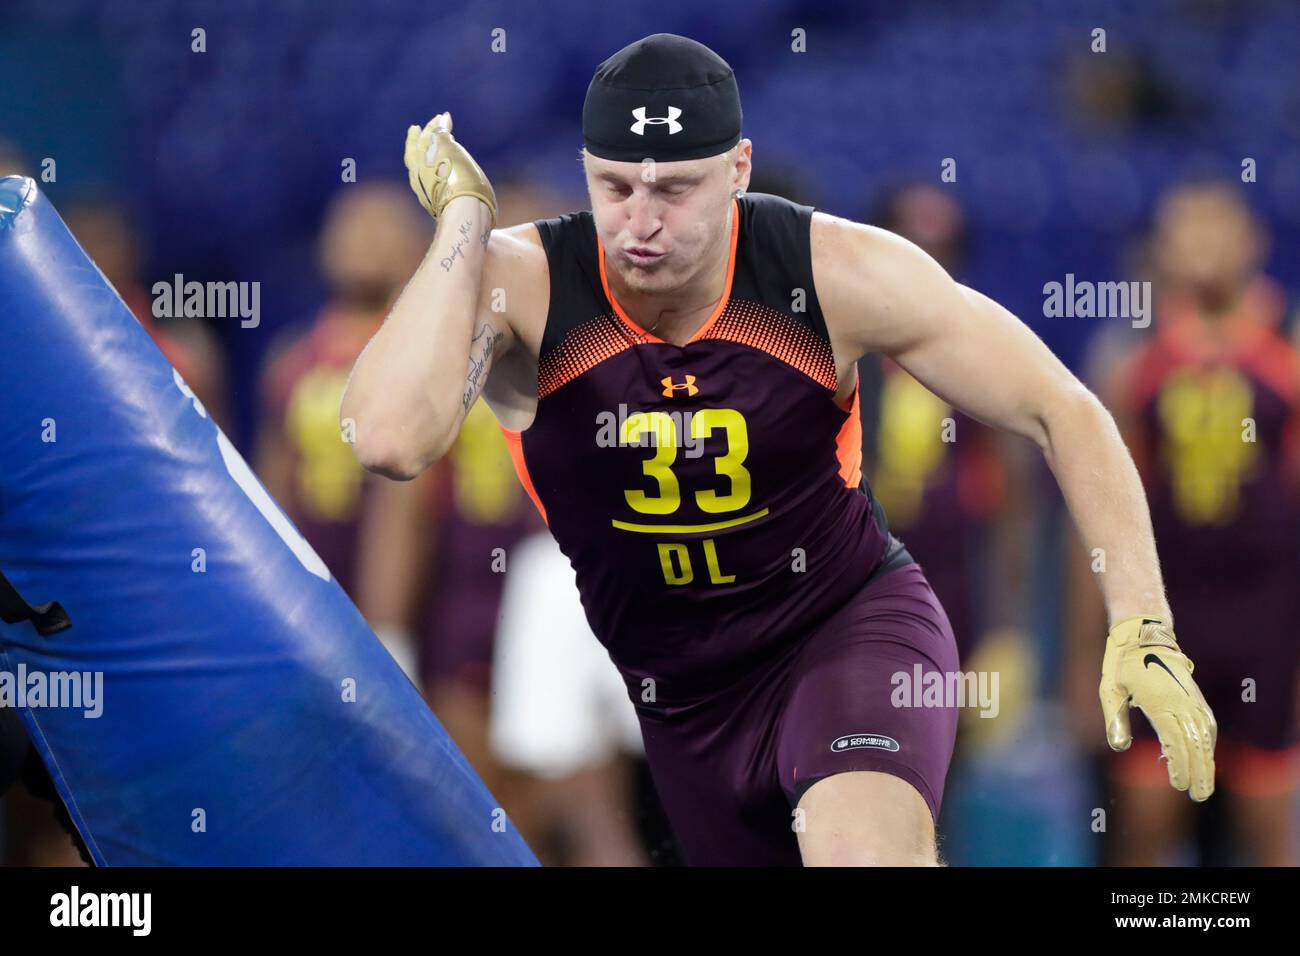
(481, 347)
(457, 248)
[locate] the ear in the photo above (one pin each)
(743, 166)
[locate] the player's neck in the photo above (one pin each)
(1218, 306)
(677, 315)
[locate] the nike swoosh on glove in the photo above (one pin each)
(1143, 666)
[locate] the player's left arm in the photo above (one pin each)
(880, 293)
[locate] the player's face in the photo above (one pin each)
(1207, 241)
(373, 239)
(660, 222)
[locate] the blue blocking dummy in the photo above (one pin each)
(200, 688)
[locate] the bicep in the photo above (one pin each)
(495, 294)
(983, 360)
(881, 293)
(509, 324)
(514, 288)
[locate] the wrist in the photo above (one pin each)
(1143, 630)
(467, 206)
(1115, 624)
(1128, 610)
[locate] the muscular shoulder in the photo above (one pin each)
(874, 286)
(516, 283)
(859, 263)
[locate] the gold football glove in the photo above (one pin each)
(1144, 666)
(441, 169)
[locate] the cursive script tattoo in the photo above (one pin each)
(457, 248)
(481, 347)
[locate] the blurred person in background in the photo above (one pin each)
(1207, 404)
(560, 714)
(957, 491)
(370, 242)
(105, 231)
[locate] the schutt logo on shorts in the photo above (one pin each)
(851, 741)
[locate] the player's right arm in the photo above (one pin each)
(413, 384)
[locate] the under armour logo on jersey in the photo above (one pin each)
(670, 386)
(642, 120)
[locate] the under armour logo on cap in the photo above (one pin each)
(655, 82)
(642, 120)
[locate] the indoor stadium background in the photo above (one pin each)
(223, 164)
